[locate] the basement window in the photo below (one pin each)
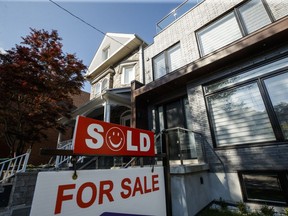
(264, 187)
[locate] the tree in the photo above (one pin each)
(37, 80)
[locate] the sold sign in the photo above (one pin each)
(94, 137)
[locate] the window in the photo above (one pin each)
(97, 88)
(218, 34)
(243, 20)
(128, 74)
(242, 108)
(105, 53)
(167, 61)
(104, 84)
(264, 187)
(254, 15)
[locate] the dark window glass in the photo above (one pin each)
(264, 187)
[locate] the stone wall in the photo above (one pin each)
(21, 195)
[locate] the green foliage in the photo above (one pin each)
(267, 211)
(223, 204)
(242, 208)
(286, 211)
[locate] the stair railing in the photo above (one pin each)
(10, 167)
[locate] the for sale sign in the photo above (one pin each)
(94, 137)
(133, 191)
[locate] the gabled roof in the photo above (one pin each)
(120, 45)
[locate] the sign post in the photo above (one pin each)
(130, 191)
(135, 191)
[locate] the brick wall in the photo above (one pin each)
(183, 29)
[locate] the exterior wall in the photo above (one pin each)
(184, 28)
(21, 195)
(131, 60)
(114, 75)
(263, 157)
(222, 181)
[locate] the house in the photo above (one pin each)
(215, 93)
(117, 62)
(52, 136)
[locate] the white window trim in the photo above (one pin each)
(123, 73)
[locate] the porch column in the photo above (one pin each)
(59, 139)
(107, 111)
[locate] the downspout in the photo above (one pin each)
(141, 64)
(107, 108)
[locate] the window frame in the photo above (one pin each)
(106, 53)
(165, 54)
(282, 179)
(102, 86)
(123, 73)
(279, 135)
(240, 22)
(97, 92)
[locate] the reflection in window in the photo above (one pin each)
(239, 116)
(277, 88)
(265, 187)
(265, 69)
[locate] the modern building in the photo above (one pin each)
(117, 62)
(215, 93)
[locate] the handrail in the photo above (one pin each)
(61, 159)
(175, 14)
(188, 147)
(10, 167)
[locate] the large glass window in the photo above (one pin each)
(167, 61)
(239, 116)
(242, 108)
(243, 20)
(265, 187)
(277, 88)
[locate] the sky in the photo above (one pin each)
(116, 16)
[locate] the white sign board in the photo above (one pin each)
(132, 191)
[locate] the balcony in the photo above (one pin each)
(176, 13)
